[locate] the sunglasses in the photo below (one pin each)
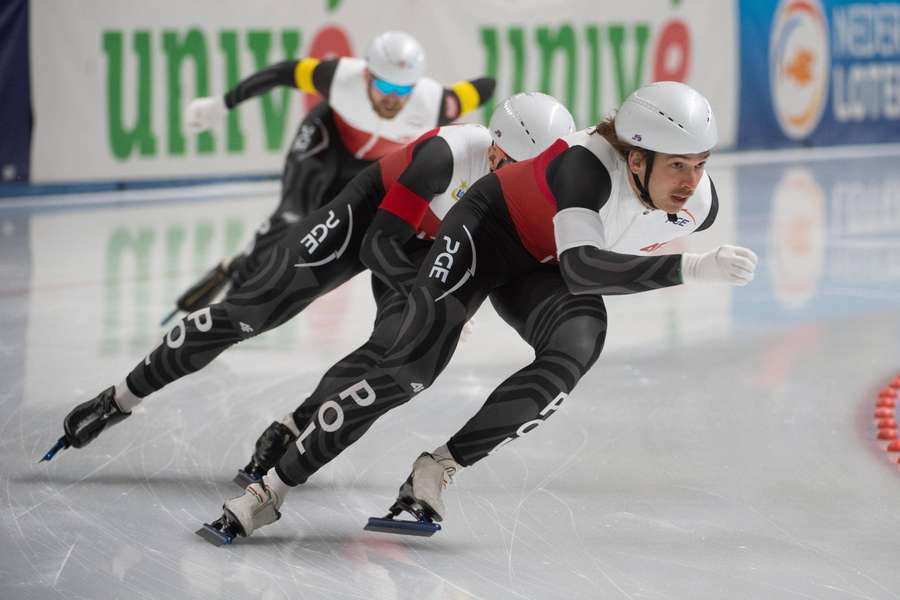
(386, 88)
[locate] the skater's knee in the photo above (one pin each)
(245, 321)
(581, 339)
(415, 378)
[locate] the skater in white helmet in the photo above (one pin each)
(546, 239)
(384, 220)
(370, 107)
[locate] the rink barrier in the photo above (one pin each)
(886, 416)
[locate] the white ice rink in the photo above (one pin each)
(722, 447)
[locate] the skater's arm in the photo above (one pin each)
(464, 97)
(590, 270)
(581, 185)
(307, 75)
(401, 212)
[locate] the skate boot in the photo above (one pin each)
(420, 496)
(256, 508)
(270, 446)
(87, 420)
(431, 475)
(202, 293)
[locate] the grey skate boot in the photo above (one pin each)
(431, 475)
(420, 496)
(241, 516)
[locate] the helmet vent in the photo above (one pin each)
(528, 133)
(671, 120)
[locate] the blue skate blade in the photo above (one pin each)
(59, 445)
(216, 537)
(168, 317)
(243, 479)
(419, 528)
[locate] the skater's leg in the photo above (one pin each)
(276, 438)
(473, 253)
(567, 333)
(389, 305)
(280, 289)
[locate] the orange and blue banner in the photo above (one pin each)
(818, 72)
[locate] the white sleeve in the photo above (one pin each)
(578, 226)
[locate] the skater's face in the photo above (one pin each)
(387, 98)
(673, 179)
(497, 157)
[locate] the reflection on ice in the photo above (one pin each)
(721, 445)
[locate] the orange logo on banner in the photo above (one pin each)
(799, 63)
(800, 67)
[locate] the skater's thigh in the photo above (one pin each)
(540, 307)
(284, 286)
(389, 303)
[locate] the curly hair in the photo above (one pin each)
(607, 129)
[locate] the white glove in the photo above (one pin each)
(725, 264)
(203, 113)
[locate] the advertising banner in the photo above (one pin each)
(111, 78)
(15, 102)
(819, 72)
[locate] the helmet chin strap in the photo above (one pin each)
(643, 188)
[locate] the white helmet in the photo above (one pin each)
(526, 124)
(668, 117)
(396, 57)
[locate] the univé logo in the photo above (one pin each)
(798, 66)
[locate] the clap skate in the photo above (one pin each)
(424, 524)
(420, 496)
(270, 446)
(241, 516)
(85, 422)
(202, 293)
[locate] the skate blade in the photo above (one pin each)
(418, 528)
(215, 536)
(60, 444)
(243, 479)
(168, 317)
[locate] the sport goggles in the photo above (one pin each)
(386, 88)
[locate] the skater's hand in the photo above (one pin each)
(203, 113)
(725, 264)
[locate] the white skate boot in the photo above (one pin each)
(430, 476)
(420, 496)
(256, 508)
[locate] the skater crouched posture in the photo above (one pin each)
(370, 108)
(362, 227)
(546, 238)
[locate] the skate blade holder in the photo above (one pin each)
(61, 444)
(423, 527)
(218, 533)
(243, 479)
